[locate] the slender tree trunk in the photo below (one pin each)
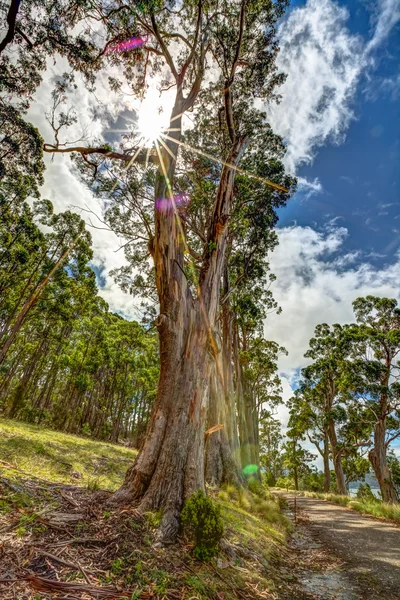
(30, 302)
(220, 465)
(337, 460)
(222, 447)
(295, 471)
(20, 391)
(137, 439)
(327, 471)
(330, 428)
(378, 458)
(6, 381)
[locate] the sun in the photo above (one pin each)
(152, 121)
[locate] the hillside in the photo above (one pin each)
(54, 532)
(62, 458)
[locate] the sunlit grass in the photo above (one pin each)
(257, 529)
(63, 458)
(250, 515)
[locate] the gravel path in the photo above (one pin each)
(369, 548)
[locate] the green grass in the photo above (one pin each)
(255, 529)
(253, 521)
(55, 456)
(375, 508)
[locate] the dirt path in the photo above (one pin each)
(369, 549)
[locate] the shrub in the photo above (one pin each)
(243, 499)
(285, 482)
(256, 487)
(86, 430)
(232, 491)
(203, 518)
(364, 492)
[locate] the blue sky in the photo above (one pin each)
(339, 235)
(360, 176)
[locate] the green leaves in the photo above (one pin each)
(202, 517)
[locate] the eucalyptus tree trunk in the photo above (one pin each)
(222, 447)
(215, 447)
(231, 426)
(337, 459)
(327, 472)
(330, 428)
(247, 414)
(378, 458)
(170, 465)
(245, 453)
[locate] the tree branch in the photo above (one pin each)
(227, 91)
(140, 158)
(229, 113)
(394, 437)
(25, 37)
(11, 20)
(154, 50)
(196, 37)
(194, 92)
(164, 48)
(239, 44)
(177, 35)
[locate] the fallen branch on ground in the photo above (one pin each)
(41, 584)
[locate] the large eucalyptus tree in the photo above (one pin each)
(223, 53)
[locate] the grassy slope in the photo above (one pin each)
(375, 508)
(56, 456)
(255, 529)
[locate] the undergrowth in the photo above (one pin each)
(202, 516)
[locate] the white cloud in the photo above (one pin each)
(315, 284)
(63, 186)
(307, 187)
(324, 62)
(386, 15)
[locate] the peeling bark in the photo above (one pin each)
(170, 465)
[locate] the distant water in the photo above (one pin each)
(374, 490)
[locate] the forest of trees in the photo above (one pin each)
(347, 405)
(195, 385)
(65, 359)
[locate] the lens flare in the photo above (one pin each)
(130, 44)
(249, 470)
(180, 201)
